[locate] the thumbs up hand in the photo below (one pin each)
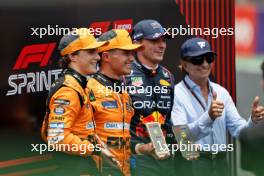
(255, 103)
(214, 96)
(257, 113)
(216, 108)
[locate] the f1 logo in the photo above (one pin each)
(103, 25)
(34, 54)
(201, 44)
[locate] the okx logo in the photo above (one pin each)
(37, 53)
(30, 82)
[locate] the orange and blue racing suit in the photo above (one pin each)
(69, 121)
(112, 113)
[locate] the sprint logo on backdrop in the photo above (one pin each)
(41, 53)
(33, 81)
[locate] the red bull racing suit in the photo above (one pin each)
(152, 96)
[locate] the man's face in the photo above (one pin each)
(86, 61)
(154, 49)
(198, 71)
(121, 61)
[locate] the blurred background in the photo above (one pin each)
(249, 25)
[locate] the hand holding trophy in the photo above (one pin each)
(161, 150)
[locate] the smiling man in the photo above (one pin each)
(154, 106)
(207, 109)
(112, 106)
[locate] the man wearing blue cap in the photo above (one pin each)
(207, 109)
(151, 97)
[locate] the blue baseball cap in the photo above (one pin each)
(196, 47)
(148, 29)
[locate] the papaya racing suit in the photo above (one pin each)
(112, 113)
(69, 121)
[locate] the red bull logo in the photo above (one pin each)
(154, 117)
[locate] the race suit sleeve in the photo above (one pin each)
(61, 120)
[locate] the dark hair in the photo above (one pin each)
(65, 61)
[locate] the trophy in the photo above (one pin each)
(157, 139)
(184, 138)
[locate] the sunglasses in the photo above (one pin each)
(199, 60)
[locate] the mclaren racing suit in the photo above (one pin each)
(112, 113)
(69, 119)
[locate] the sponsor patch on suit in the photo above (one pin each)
(110, 104)
(59, 110)
(59, 118)
(136, 81)
(62, 102)
(116, 126)
(56, 125)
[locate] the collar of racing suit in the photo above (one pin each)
(109, 82)
(82, 80)
(148, 71)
